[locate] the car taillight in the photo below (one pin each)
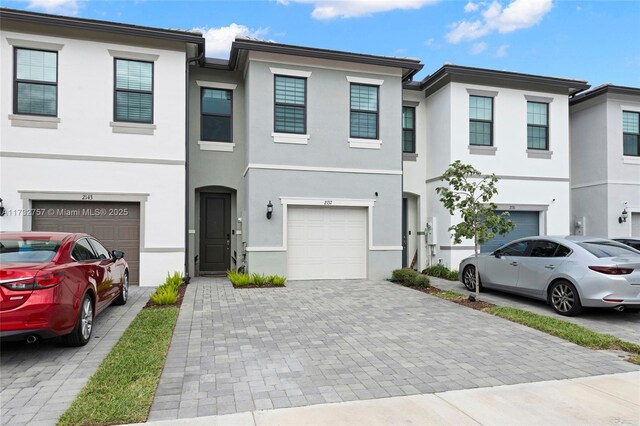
(41, 281)
(611, 270)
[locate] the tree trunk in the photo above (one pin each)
(477, 269)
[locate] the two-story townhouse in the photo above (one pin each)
(92, 129)
(296, 162)
(605, 162)
(511, 124)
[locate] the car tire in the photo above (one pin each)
(469, 278)
(124, 293)
(81, 333)
(564, 298)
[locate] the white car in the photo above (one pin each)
(567, 272)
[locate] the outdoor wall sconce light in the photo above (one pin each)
(2, 210)
(624, 215)
(269, 210)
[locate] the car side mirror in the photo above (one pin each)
(497, 254)
(117, 254)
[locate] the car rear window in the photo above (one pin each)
(608, 249)
(28, 251)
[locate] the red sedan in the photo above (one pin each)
(54, 283)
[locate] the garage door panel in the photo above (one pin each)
(326, 243)
(635, 225)
(527, 224)
(106, 221)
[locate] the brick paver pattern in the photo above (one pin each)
(38, 382)
(237, 350)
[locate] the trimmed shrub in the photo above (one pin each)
(441, 271)
(404, 275)
(420, 281)
(258, 280)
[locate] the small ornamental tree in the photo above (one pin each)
(470, 194)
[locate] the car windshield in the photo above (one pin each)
(608, 249)
(28, 251)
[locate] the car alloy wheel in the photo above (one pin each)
(469, 278)
(86, 318)
(565, 299)
(125, 287)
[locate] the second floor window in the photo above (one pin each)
(631, 133)
(364, 111)
(36, 82)
(216, 121)
(537, 125)
(290, 105)
(408, 129)
(133, 91)
(480, 120)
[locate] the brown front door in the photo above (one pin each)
(215, 229)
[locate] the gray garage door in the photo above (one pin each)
(635, 225)
(527, 225)
(116, 225)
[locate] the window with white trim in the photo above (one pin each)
(480, 120)
(290, 109)
(216, 115)
(36, 82)
(364, 111)
(538, 125)
(631, 133)
(133, 86)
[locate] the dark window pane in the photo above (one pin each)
(515, 249)
(100, 250)
(364, 125)
(607, 248)
(544, 249)
(479, 133)
(134, 107)
(408, 118)
(215, 128)
(289, 119)
(631, 145)
(134, 75)
(83, 251)
(216, 101)
(408, 141)
(36, 99)
(28, 251)
(562, 251)
(536, 137)
(364, 98)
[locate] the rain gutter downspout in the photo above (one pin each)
(186, 166)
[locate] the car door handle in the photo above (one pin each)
(550, 266)
(514, 264)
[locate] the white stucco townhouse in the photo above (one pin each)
(92, 130)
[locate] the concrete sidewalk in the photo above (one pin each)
(598, 400)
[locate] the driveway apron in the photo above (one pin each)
(237, 350)
(38, 382)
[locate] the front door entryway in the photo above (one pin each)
(215, 232)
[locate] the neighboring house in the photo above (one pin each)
(93, 134)
(514, 125)
(605, 162)
(296, 162)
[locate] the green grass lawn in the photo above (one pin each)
(566, 330)
(449, 295)
(122, 389)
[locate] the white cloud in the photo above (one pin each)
(331, 9)
(65, 7)
(471, 7)
(432, 44)
(518, 14)
(478, 48)
(502, 51)
(218, 40)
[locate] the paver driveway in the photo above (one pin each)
(39, 382)
(624, 325)
(237, 350)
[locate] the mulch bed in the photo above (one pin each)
(181, 291)
(257, 286)
(477, 305)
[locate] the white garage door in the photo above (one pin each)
(635, 224)
(326, 243)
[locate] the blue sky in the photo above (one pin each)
(598, 41)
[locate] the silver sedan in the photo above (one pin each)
(567, 272)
